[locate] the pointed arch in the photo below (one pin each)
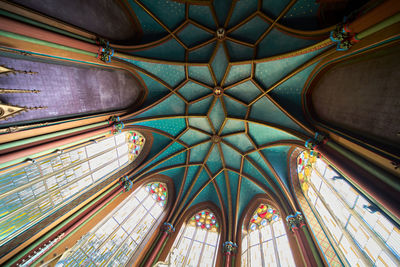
(207, 240)
(348, 228)
(268, 235)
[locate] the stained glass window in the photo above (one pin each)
(360, 232)
(31, 191)
(197, 241)
(264, 240)
(114, 240)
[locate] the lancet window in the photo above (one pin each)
(264, 239)
(114, 240)
(197, 241)
(360, 233)
(32, 190)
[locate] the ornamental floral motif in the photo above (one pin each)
(305, 163)
(264, 215)
(158, 192)
(205, 220)
(135, 144)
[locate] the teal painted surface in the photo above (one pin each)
(233, 183)
(151, 29)
(240, 141)
(192, 137)
(192, 170)
(177, 177)
(238, 52)
(161, 142)
(232, 126)
(246, 92)
(192, 91)
(273, 8)
(237, 73)
(256, 157)
(220, 181)
(175, 147)
(221, 8)
(201, 180)
(242, 10)
(251, 30)
(155, 90)
(219, 63)
(217, 115)
(305, 11)
(201, 107)
(170, 126)
(192, 35)
(202, 54)
(171, 13)
(234, 108)
(173, 105)
(256, 174)
(262, 134)
(202, 15)
(200, 123)
(232, 157)
(277, 43)
(198, 153)
(209, 194)
(277, 156)
(247, 191)
(214, 162)
(268, 73)
(176, 160)
(170, 50)
(201, 74)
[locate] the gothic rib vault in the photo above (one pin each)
(224, 99)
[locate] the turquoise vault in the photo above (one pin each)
(224, 101)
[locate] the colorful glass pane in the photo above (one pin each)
(305, 163)
(262, 216)
(158, 192)
(205, 220)
(135, 144)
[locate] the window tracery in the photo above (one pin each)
(264, 239)
(362, 235)
(31, 191)
(118, 236)
(197, 241)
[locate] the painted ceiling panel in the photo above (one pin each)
(171, 13)
(202, 54)
(222, 8)
(217, 115)
(171, 74)
(251, 30)
(221, 183)
(277, 156)
(173, 148)
(257, 158)
(192, 91)
(219, 63)
(201, 123)
(238, 52)
(246, 91)
(151, 29)
(192, 35)
(273, 8)
(201, 181)
(233, 183)
(202, 15)
(172, 105)
(304, 11)
(192, 137)
(201, 107)
(201, 73)
(269, 72)
(277, 43)
(262, 134)
(234, 108)
(240, 141)
(249, 168)
(247, 191)
(169, 50)
(155, 89)
(171, 126)
(242, 10)
(192, 171)
(198, 153)
(208, 194)
(176, 176)
(231, 156)
(214, 162)
(237, 73)
(176, 160)
(162, 142)
(232, 126)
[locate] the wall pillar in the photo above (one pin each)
(166, 230)
(308, 249)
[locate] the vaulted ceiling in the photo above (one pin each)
(224, 99)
